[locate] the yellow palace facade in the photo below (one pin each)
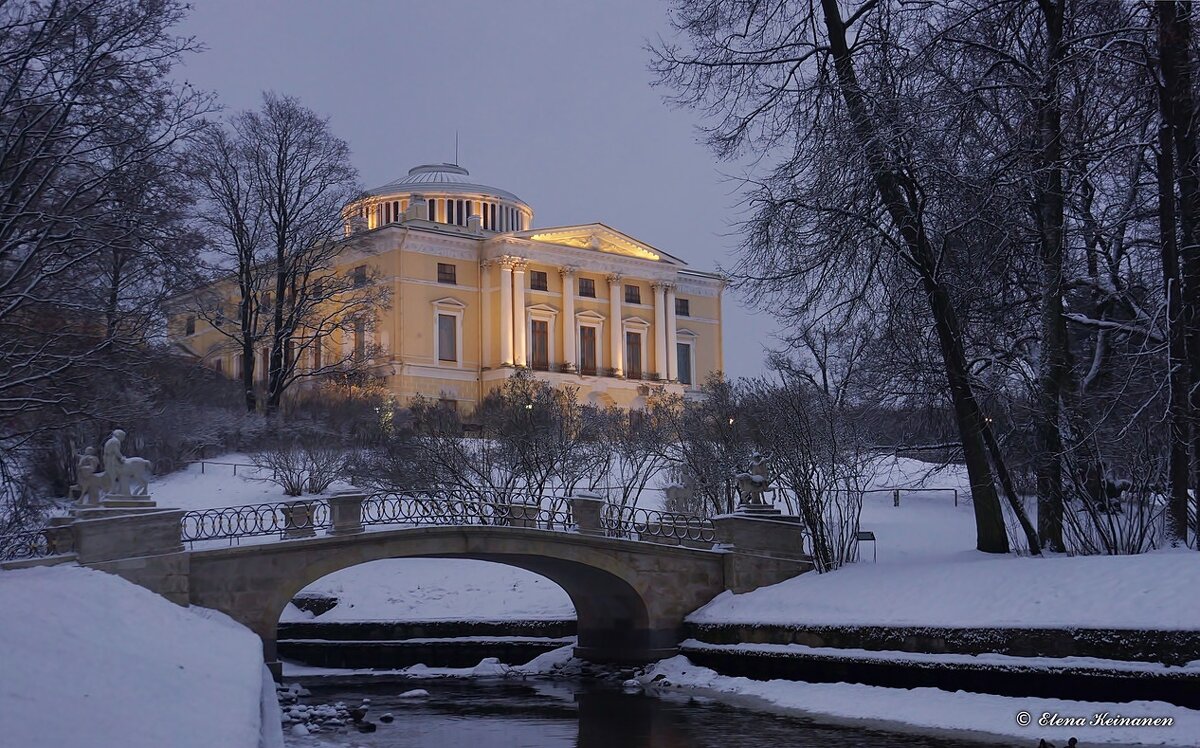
(477, 292)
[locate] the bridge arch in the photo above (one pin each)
(630, 598)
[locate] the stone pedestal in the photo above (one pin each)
(298, 520)
(524, 515)
(117, 501)
(126, 536)
(345, 513)
(758, 510)
(586, 508)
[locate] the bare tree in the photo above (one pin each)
(87, 109)
(276, 182)
(828, 90)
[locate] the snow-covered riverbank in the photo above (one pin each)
(92, 660)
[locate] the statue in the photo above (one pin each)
(753, 482)
(114, 462)
(88, 481)
(123, 476)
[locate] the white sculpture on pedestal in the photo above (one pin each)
(87, 480)
(753, 483)
(123, 477)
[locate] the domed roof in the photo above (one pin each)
(441, 178)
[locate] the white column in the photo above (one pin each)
(485, 317)
(616, 336)
(672, 336)
(660, 329)
(568, 323)
(506, 312)
(518, 314)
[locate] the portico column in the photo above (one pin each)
(672, 336)
(518, 314)
(568, 325)
(660, 329)
(506, 312)
(616, 333)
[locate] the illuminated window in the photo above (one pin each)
(537, 281)
(587, 288)
(447, 273)
(681, 307)
(633, 295)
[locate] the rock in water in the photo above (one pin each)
(386, 718)
(416, 693)
(299, 729)
(489, 666)
(367, 727)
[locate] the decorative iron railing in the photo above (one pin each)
(36, 544)
(432, 510)
(656, 526)
(303, 518)
(298, 517)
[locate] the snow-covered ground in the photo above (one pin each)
(931, 708)
(92, 660)
(429, 589)
(928, 573)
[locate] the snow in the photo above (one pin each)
(424, 589)
(928, 574)
(984, 660)
(93, 660)
(931, 708)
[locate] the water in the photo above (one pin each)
(566, 714)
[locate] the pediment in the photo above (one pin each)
(600, 238)
(449, 301)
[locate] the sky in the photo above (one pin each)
(551, 100)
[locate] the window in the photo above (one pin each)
(633, 295)
(316, 354)
(492, 224)
(220, 366)
(462, 217)
(633, 355)
(190, 326)
(360, 276)
(540, 344)
(537, 281)
(318, 289)
(683, 355)
(681, 307)
(447, 337)
(587, 288)
(587, 350)
(432, 206)
(447, 273)
(360, 340)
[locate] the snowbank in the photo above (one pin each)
(93, 660)
(930, 708)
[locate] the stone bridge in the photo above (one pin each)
(632, 578)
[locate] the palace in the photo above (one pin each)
(476, 291)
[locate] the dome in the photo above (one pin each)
(442, 179)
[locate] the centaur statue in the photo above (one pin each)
(122, 477)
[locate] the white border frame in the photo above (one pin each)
(451, 308)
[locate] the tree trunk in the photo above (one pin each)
(247, 322)
(1049, 205)
(1174, 44)
(989, 521)
(1178, 412)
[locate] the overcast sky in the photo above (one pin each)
(551, 100)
